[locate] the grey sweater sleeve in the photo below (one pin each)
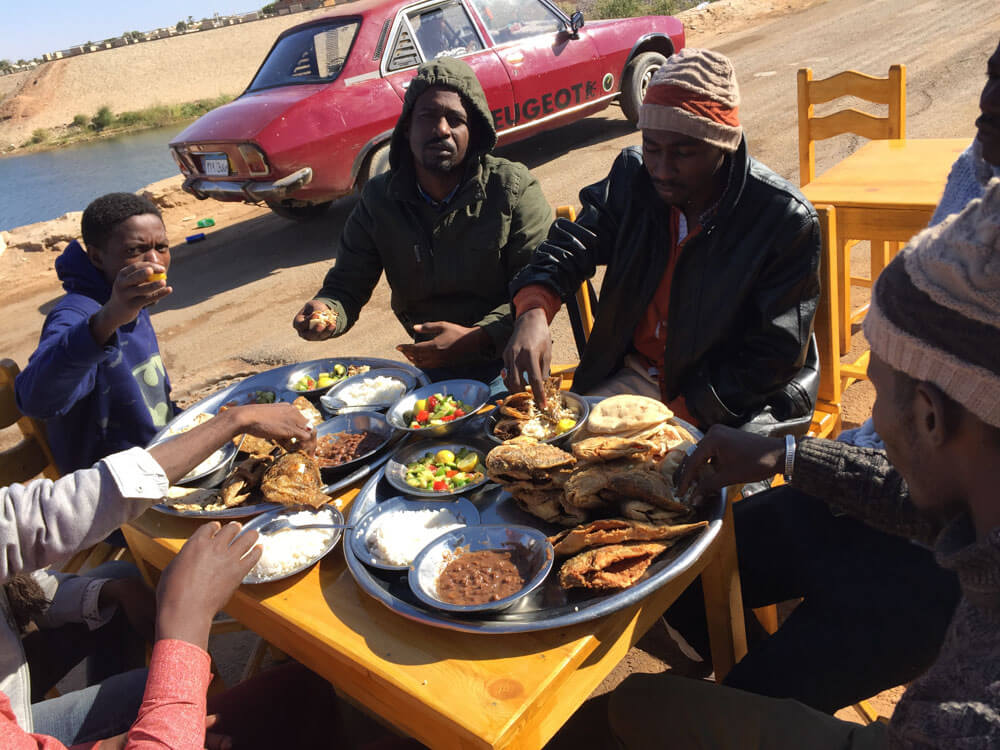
(45, 521)
(862, 483)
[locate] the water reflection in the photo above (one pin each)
(44, 185)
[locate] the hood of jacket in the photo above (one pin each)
(79, 276)
(458, 76)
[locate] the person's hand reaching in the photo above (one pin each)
(201, 579)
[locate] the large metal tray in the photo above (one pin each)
(269, 380)
(547, 607)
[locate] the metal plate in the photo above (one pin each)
(472, 393)
(332, 403)
(358, 536)
(583, 411)
(267, 517)
(549, 606)
(240, 511)
(314, 368)
(355, 422)
(395, 469)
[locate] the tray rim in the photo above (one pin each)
(484, 625)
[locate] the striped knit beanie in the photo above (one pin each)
(935, 312)
(695, 93)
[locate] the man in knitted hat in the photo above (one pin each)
(934, 329)
(712, 266)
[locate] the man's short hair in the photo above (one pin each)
(105, 213)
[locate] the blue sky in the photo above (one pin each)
(32, 28)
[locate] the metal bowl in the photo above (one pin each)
(333, 404)
(395, 469)
(464, 510)
(313, 369)
(335, 517)
(241, 396)
(578, 402)
(435, 556)
(472, 393)
(355, 422)
(210, 475)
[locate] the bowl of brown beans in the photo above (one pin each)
(349, 439)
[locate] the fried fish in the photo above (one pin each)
(613, 567)
(617, 531)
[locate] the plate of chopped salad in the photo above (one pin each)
(436, 469)
(439, 408)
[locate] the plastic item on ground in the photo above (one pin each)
(206, 222)
(195, 237)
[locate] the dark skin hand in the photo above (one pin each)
(529, 350)
(281, 422)
(301, 322)
(736, 456)
(129, 294)
(451, 344)
(201, 579)
(136, 600)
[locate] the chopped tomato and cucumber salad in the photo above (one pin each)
(445, 471)
(435, 410)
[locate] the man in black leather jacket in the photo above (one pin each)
(712, 262)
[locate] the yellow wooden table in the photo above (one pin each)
(449, 689)
(885, 192)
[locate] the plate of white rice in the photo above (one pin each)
(290, 551)
(394, 532)
(376, 389)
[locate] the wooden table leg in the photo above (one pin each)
(724, 601)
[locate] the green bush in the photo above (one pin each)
(40, 135)
(80, 121)
(632, 8)
(102, 119)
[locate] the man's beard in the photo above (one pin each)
(439, 162)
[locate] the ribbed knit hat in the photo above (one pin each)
(695, 93)
(935, 312)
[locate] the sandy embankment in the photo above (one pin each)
(166, 71)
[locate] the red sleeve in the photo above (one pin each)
(537, 295)
(172, 714)
(12, 737)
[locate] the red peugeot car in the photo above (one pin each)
(315, 121)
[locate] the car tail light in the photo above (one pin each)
(255, 160)
(181, 163)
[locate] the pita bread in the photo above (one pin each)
(626, 413)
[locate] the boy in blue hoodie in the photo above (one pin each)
(97, 378)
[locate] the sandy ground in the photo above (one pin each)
(236, 292)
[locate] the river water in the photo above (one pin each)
(47, 184)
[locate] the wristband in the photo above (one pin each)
(789, 457)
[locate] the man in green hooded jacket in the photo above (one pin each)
(450, 225)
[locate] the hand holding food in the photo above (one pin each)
(735, 455)
(201, 579)
(529, 350)
(136, 286)
(283, 423)
(315, 321)
(451, 344)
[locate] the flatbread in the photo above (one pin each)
(626, 413)
(613, 567)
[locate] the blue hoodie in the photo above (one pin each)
(95, 400)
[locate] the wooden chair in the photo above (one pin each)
(890, 91)
(31, 456)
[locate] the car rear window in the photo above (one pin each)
(315, 54)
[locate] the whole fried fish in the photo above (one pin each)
(616, 531)
(613, 567)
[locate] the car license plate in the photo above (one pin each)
(216, 164)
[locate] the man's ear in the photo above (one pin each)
(96, 256)
(933, 419)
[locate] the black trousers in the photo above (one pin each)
(874, 607)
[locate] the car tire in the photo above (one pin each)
(637, 76)
(300, 213)
(376, 163)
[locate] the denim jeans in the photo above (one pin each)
(111, 703)
(874, 606)
(94, 713)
